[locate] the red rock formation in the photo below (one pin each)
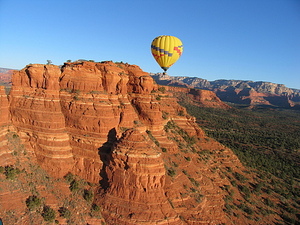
(4, 119)
(97, 104)
(203, 98)
(111, 123)
(136, 180)
(36, 113)
(5, 152)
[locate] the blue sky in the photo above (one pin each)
(255, 40)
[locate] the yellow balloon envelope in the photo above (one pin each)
(166, 50)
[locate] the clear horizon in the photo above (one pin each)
(231, 39)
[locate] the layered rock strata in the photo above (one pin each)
(136, 178)
(5, 151)
(36, 113)
(110, 123)
(66, 113)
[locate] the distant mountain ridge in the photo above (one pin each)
(238, 91)
(196, 82)
(4, 70)
(5, 76)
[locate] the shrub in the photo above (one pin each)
(246, 208)
(180, 113)
(287, 219)
(244, 189)
(229, 169)
(165, 115)
(175, 164)
(95, 211)
(240, 177)
(64, 212)
(48, 213)
(162, 89)
(187, 158)
(95, 207)
(11, 172)
(194, 182)
(268, 202)
(74, 186)
(33, 202)
(69, 177)
(228, 208)
(88, 195)
(258, 187)
(185, 172)
(171, 172)
(152, 137)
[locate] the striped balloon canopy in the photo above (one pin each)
(166, 50)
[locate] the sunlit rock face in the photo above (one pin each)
(5, 150)
(112, 125)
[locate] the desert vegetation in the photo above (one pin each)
(267, 141)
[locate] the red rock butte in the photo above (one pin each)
(112, 125)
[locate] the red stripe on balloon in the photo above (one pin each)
(157, 56)
(177, 50)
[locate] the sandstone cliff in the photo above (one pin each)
(113, 126)
(5, 152)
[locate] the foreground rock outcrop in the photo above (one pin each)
(110, 124)
(136, 180)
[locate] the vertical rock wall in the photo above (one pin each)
(136, 182)
(36, 113)
(66, 113)
(109, 123)
(5, 151)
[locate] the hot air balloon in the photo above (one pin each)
(166, 50)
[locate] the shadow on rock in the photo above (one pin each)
(105, 156)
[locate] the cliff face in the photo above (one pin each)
(136, 180)
(5, 152)
(36, 113)
(110, 124)
(65, 114)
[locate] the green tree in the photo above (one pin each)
(74, 186)
(48, 213)
(88, 195)
(33, 202)
(64, 212)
